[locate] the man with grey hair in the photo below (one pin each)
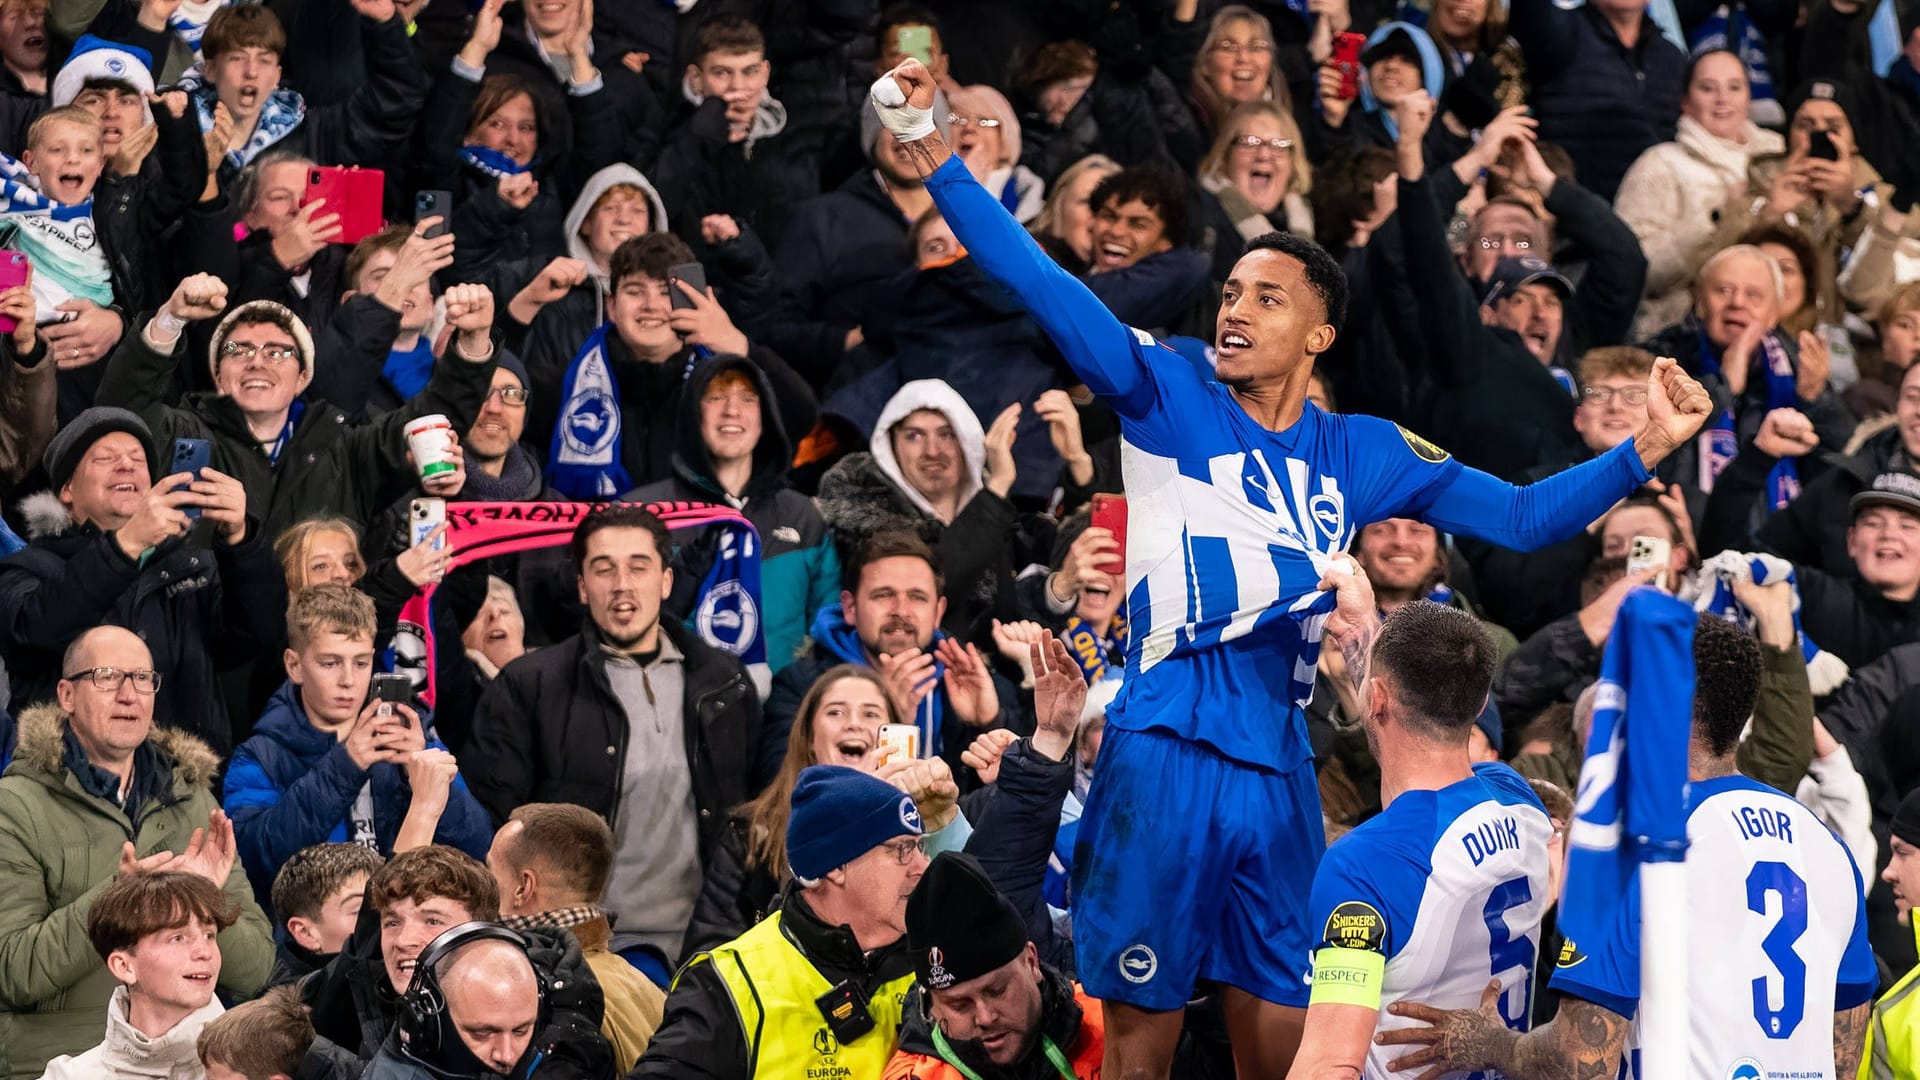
(1732, 342)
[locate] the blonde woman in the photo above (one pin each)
(986, 135)
(1235, 67)
(1255, 181)
(1064, 227)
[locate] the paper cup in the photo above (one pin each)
(431, 440)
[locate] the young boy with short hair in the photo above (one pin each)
(263, 1039)
(316, 901)
(156, 931)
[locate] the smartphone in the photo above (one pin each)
(917, 42)
(438, 204)
(1820, 145)
(1346, 58)
(1650, 553)
(904, 738)
(391, 690)
(1110, 513)
(428, 515)
(693, 274)
(13, 271)
(190, 456)
(353, 193)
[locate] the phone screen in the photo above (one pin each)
(917, 42)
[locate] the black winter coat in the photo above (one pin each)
(700, 172)
(550, 729)
(835, 248)
(198, 609)
(1812, 529)
(1604, 102)
(327, 466)
(637, 114)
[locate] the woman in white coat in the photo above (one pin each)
(1670, 195)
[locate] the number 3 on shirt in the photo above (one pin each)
(1776, 877)
(1508, 952)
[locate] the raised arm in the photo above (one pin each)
(1099, 348)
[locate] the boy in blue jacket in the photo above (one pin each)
(326, 765)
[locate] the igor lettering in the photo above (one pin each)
(1755, 823)
(1491, 838)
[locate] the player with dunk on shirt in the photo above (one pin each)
(1203, 826)
(1780, 977)
(1445, 888)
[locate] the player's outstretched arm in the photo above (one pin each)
(1850, 1039)
(1554, 508)
(1584, 1041)
(1099, 348)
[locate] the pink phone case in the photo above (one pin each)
(13, 271)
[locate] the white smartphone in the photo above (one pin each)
(1650, 553)
(428, 515)
(904, 738)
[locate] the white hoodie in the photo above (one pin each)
(932, 394)
(126, 1054)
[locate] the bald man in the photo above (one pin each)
(492, 1013)
(91, 771)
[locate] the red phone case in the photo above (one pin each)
(1110, 513)
(355, 194)
(1346, 57)
(13, 271)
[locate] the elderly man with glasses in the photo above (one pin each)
(98, 791)
(181, 561)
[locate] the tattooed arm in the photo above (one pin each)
(1354, 622)
(1850, 1038)
(1583, 1042)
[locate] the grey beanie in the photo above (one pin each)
(263, 311)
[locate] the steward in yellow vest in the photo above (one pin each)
(1893, 1032)
(817, 990)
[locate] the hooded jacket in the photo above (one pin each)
(292, 785)
(799, 569)
(1672, 199)
(328, 465)
(62, 844)
(597, 185)
(126, 1052)
(956, 325)
(199, 609)
(758, 180)
(865, 493)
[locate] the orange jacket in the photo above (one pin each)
(1089, 1045)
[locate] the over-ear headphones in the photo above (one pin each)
(423, 1008)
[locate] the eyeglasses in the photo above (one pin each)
(515, 396)
(1256, 47)
(1253, 143)
(905, 850)
(246, 350)
(145, 680)
(1496, 242)
(985, 123)
(1604, 395)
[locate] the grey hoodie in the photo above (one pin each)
(936, 395)
(596, 186)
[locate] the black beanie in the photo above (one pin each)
(1906, 823)
(73, 441)
(959, 927)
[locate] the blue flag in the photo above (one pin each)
(1632, 805)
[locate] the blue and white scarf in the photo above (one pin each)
(1719, 441)
(1712, 593)
(492, 162)
(584, 455)
(189, 23)
(60, 241)
(283, 112)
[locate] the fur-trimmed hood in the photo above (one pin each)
(45, 515)
(41, 748)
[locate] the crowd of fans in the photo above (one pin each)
(663, 253)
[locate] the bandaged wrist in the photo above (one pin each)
(907, 122)
(166, 325)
